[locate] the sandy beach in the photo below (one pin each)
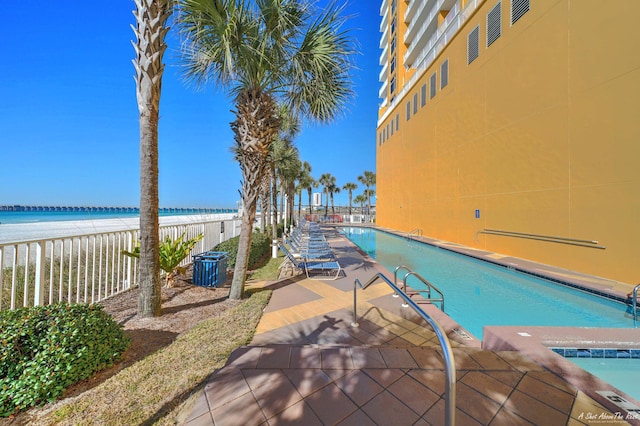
(30, 232)
(21, 234)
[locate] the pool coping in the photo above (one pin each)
(535, 343)
(599, 286)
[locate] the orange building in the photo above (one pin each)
(513, 126)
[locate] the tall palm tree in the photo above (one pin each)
(151, 29)
(284, 159)
(333, 189)
(350, 187)
(368, 179)
(285, 163)
(305, 181)
(360, 199)
(265, 53)
(312, 184)
(326, 180)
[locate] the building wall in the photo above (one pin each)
(540, 134)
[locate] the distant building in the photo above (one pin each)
(513, 126)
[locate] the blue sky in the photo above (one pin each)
(69, 130)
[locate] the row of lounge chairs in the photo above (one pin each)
(307, 249)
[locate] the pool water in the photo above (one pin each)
(623, 373)
(478, 293)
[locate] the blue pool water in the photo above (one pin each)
(478, 293)
(622, 373)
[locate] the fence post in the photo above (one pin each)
(38, 292)
(128, 259)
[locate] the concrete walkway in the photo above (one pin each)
(308, 365)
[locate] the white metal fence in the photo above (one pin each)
(82, 261)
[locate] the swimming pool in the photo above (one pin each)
(478, 293)
(622, 373)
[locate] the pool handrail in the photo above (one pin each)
(635, 305)
(445, 344)
(417, 232)
(423, 280)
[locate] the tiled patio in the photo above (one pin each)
(308, 365)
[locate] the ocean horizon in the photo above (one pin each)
(26, 217)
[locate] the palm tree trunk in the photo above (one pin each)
(244, 245)
(274, 200)
(151, 17)
(255, 127)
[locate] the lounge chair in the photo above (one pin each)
(314, 268)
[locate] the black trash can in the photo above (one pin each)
(210, 268)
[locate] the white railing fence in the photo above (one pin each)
(86, 267)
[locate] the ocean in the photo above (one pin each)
(26, 217)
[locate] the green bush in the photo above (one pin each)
(260, 245)
(47, 348)
(279, 229)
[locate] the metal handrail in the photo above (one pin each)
(429, 286)
(634, 304)
(447, 351)
(423, 280)
(547, 238)
(416, 232)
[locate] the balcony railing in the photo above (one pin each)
(84, 266)
(439, 40)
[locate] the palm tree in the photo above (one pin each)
(312, 184)
(265, 53)
(305, 181)
(284, 159)
(286, 163)
(350, 187)
(360, 199)
(151, 29)
(326, 180)
(333, 189)
(368, 179)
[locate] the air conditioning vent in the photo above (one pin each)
(494, 24)
(518, 9)
(433, 85)
(473, 40)
(444, 74)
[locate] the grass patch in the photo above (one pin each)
(270, 270)
(145, 392)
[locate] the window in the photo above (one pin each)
(408, 110)
(423, 95)
(393, 44)
(472, 44)
(393, 64)
(518, 9)
(393, 6)
(494, 24)
(444, 74)
(415, 103)
(387, 130)
(433, 85)
(393, 24)
(397, 121)
(392, 85)
(392, 127)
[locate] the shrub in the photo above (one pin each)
(260, 244)
(47, 348)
